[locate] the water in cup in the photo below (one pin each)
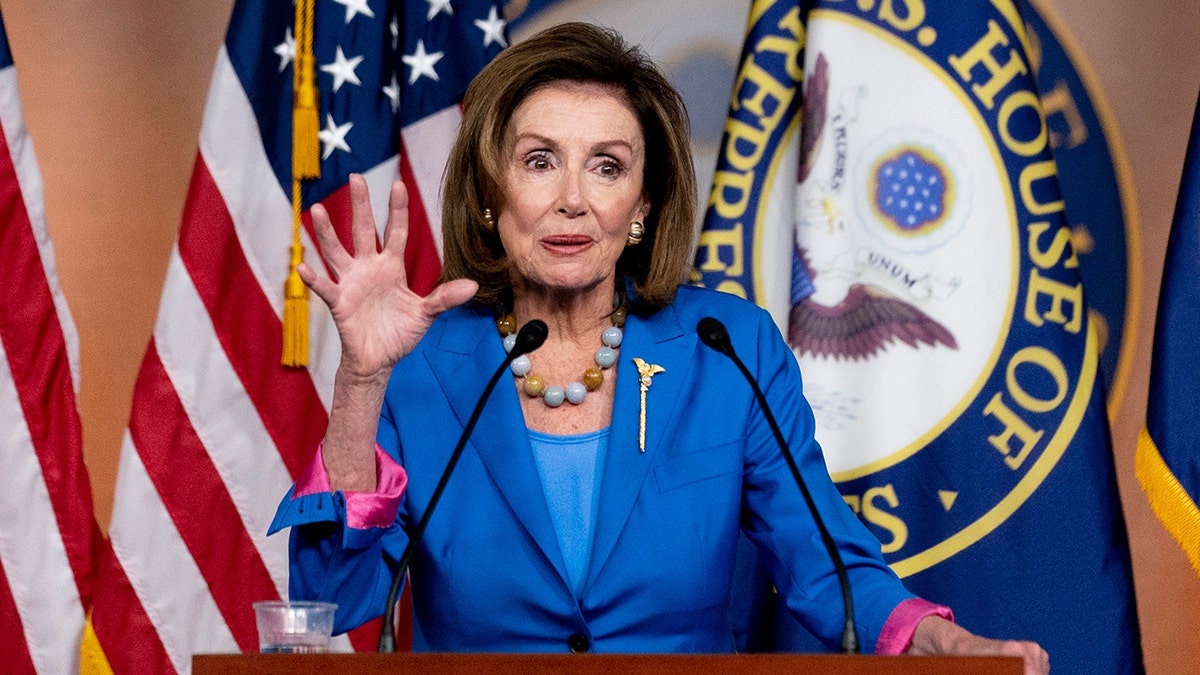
(294, 627)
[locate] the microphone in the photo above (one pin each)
(530, 337)
(713, 334)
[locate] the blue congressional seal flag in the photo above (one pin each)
(747, 233)
(1168, 453)
(947, 347)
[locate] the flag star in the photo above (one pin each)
(437, 7)
(342, 69)
(334, 136)
(421, 63)
(395, 28)
(393, 92)
(286, 50)
(493, 29)
(355, 7)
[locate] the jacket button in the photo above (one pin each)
(578, 643)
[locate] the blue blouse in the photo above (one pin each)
(570, 468)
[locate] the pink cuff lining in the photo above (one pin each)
(363, 509)
(897, 633)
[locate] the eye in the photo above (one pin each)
(609, 168)
(538, 161)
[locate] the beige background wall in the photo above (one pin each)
(114, 91)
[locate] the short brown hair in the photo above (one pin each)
(580, 53)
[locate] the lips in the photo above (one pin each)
(567, 244)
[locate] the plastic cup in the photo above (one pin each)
(294, 627)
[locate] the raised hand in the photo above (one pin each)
(379, 320)
(378, 317)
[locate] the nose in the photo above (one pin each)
(571, 200)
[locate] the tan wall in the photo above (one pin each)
(114, 92)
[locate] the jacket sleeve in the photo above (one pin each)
(778, 521)
(343, 544)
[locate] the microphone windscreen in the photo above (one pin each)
(713, 334)
(530, 337)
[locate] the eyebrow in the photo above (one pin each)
(544, 140)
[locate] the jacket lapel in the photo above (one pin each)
(465, 357)
(660, 340)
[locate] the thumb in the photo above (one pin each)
(450, 294)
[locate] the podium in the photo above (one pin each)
(598, 664)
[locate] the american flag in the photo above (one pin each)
(218, 428)
(47, 540)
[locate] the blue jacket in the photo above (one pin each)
(488, 575)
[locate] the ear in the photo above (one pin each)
(644, 207)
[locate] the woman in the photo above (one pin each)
(608, 521)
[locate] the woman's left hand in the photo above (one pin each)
(936, 636)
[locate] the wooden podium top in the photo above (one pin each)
(589, 664)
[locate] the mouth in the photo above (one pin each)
(567, 244)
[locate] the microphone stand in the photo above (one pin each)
(713, 333)
(530, 337)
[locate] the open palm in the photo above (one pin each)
(378, 317)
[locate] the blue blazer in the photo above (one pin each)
(489, 575)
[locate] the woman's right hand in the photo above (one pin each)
(378, 317)
(379, 320)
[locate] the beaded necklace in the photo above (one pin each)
(575, 392)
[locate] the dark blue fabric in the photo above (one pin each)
(1175, 374)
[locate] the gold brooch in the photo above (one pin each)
(646, 371)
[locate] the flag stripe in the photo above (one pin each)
(427, 144)
(222, 415)
(421, 256)
(37, 357)
(168, 584)
(119, 619)
(28, 176)
(16, 653)
(47, 579)
(247, 326)
(200, 507)
(39, 577)
(232, 150)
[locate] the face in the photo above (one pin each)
(573, 185)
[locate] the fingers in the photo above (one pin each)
(331, 249)
(450, 294)
(362, 219)
(323, 287)
(395, 235)
(1037, 661)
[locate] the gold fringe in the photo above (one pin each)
(92, 660)
(306, 123)
(1170, 502)
(295, 297)
(306, 165)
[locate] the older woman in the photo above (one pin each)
(600, 502)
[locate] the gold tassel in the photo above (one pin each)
(295, 314)
(295, 296)
(306, 123)
(306, 165)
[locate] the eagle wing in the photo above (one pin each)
(862, 325)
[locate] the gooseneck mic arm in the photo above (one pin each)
(530, 337)
(713, 334)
